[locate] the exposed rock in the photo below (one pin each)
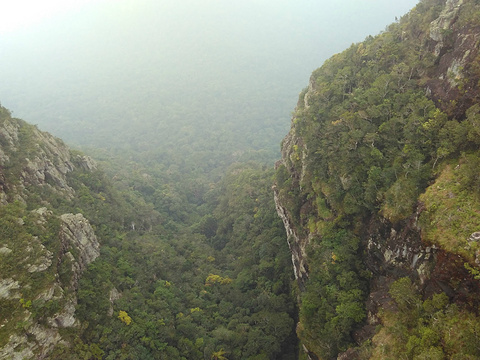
(77, 232)
(440, 27)
(66, 318)
(31, 160)
(9, 137)
(17, 349)
(51, 291)
(309, 355)
(391, 251)
(43, 262)
(456, 48)
(42, 213)
(114, 295)
(77, 237)
(39, 257)
(85, 162)
(4, 250)
(7, 286)
(294, 155)
(47, 160)
(350, 354)
(41, 170)
(473, 245)
(21, 346)
(295, 243)
(3, 185)
(475, 237)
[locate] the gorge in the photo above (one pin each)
(360, 243)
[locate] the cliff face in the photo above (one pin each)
(296, 244)
(42, 253)
(33, 158)
(377, 126)
(454, 40)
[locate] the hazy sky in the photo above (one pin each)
(22, 14)
(65, 64)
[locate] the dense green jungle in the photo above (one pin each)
(176, 237)
(201, 273)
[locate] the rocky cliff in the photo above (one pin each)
(42, 252)
(383, 148)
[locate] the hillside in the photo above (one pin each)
(378, 191)
(43, 252)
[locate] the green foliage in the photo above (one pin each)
(164, 237)
(333, 303)
(367, 140)
(20, 229)
(372, 136)
(429, 329)
(186, 295)
(452, 207)
(219, 355)
(217, 279)
(123, 316)
(404, 294)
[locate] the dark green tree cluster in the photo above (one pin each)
(222, 284)
(333, 302)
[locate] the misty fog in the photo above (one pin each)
(136, 74)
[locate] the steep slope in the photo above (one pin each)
(378, 191)
(43, 253)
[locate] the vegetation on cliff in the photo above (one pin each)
(370, 134)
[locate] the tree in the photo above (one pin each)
(219, 355)
(123, 316)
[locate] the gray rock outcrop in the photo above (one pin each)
(440, 27)
(37, 340)
(45, 277)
